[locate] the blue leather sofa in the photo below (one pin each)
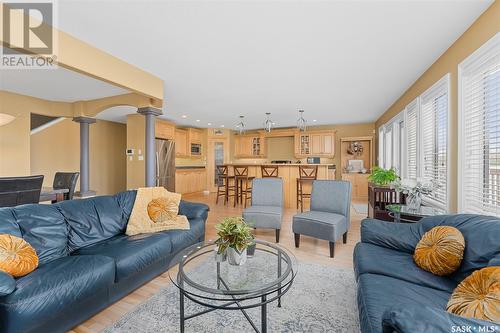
(394, 295)
(86, 262)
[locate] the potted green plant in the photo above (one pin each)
(381, 176)
(234, 238)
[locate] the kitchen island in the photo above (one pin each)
(289, 172)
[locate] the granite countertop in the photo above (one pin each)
(187, 167)
(281, 164)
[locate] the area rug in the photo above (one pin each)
(361, 208)
(321, 299)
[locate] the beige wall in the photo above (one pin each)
(136, 133)
(485, 27)
(15, 147)
(57, 148)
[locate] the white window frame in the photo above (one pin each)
(471, 60)
(415, 102)
(445, 80)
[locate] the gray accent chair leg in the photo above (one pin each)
(344, 237)
(277, 235)
(297, 240)
(332, 249)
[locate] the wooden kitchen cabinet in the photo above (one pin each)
(190, 180)
(314, 143)
(194, 135)
(181, 143)
(359, 183)
(164, 130)
(249, 146)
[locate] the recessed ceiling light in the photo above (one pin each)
(314, 120)
(197, 120)
(209, 124)
(221, 125)
(184, 116)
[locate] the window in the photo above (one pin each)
(381, 147)
(434, 149)
(411, 139)
(479, 130)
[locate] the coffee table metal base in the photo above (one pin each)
(225, 306)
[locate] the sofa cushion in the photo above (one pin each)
(55, 287)
(17, 257)
(322, 225)
(92, 220)
(131, 254)
(181, 239)
(8, 223)
(7, 283)
(481, 234)
(44, 228)
(369, 258)
(126, 202)
(378, 293)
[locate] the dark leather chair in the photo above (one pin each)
(16, 191)
(66, 180)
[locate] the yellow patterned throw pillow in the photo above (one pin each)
(440, 251)
(155, 209)
(478, 295)
(162, 209)
(17, 257)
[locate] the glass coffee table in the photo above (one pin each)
(403, 213)
(264, 278)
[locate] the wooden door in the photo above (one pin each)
(216, 148)
(362, 182)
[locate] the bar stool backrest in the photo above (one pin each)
(308, 172)
(222, 170)
(241, 171)
(269, 171)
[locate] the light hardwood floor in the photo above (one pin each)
(311, 250)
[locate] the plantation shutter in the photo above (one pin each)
(411, 139)
(434, 113)
(480, 122)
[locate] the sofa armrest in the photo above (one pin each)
(391, 235)
(417, 318)
(7, 283)
(193, 210)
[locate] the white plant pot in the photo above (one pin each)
(235, 258)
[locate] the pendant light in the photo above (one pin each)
(301, 122)
(241, 125)
(268, 124)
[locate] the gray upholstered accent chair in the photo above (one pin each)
(329, 217)
(267, 205)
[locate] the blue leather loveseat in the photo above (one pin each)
(86, 262)
(395, 295)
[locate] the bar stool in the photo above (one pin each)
(307, 173)
(243, 183)
(223, 187)
(268, 171)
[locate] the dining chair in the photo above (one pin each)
(66, 180)
(329, 217)
(16, 191)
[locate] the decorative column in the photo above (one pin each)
(84, 156)
(150, 158)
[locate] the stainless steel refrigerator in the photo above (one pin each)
(165, 164)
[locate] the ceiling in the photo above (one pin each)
(56, 84)
(340, 61)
